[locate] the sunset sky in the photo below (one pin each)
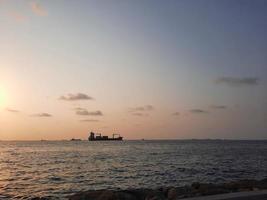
(145, 69)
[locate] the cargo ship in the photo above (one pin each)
(98, 137)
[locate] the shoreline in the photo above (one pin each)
(196, 189)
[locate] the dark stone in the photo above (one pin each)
(170, 193)
(105, 195)
(195, 185)
(262, 184)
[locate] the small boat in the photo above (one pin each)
(73, 139)
(98, 137)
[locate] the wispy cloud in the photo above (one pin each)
(234, 81)
(142, 108)
(75, 97)
(140, 114)
(89, 120)
(38, 9)
(12, 110)
(141, 111)
(176, 114)
(83, 111)
(18, 16)
(198, 111)
(218, 107)
(79, 108)
(42, 115)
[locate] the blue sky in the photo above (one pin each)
(178, 56)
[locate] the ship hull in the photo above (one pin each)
(105, 139)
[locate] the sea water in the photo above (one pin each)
(58, 169)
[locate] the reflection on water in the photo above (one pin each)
(58, 169)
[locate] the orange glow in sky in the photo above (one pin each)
(143, 70)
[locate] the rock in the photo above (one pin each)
(155, 195)
(125, 195)
(172, 194)
(256, 189)
(195, 185)
(262, 184)
(104, 195)
(107, 195)
(210, 189)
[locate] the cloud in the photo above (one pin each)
(233, 81)
(42, 115)
(138, 114)
(38, 9)
(141, 111)
(83, 111)
(18, 16)
(176, 114)
(12, 110)
(218, 107)
(75, 97)
(79, 108)
(142, 108)
(89, 120)
(146, 108)
(198, 111)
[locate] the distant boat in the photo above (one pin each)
(98, 137)
(73, 139)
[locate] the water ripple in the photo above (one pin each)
(58, 169)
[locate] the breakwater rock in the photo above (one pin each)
(172, 193)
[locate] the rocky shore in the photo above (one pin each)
(172, 193)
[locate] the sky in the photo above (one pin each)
(177, 69)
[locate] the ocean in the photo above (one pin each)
(58, 169)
